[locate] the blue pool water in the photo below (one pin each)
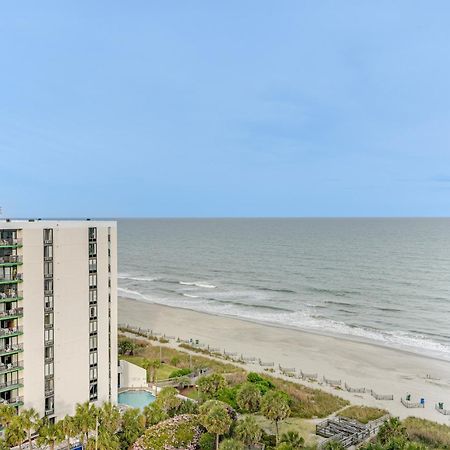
(136, 399)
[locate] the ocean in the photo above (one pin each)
(385, 281)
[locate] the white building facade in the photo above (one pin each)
(58, 314)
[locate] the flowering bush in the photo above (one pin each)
(181, 432)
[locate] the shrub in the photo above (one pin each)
(207, 441)
(363, 414)
(180, 373)
(231, 444)
(431, 434)
(179, 432)
(228, 395)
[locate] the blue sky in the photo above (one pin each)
(255, 108)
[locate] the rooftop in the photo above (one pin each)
(13, 224)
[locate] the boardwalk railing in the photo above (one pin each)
(332, 382)
(440, 408)
(287, 370)
(266, 364)
(381, 397)
(356, 390)
(308, 376)
(409, 404)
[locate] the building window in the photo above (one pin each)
(48, 236)
(48, 353)
(93, 342)
(48, 335)
(48, 319)
(92, 249)
(93, 373)
(93, 296)
(48, 302)
(93, 391)
(92, 234)
(48, 369)
(48, 286)
(93, 360)
(48, 269)
(48, 252)
(93, 280)
(93, 265)
(92, 326)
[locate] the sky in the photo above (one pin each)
(236, 108)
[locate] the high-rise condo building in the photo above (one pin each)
(58, 314)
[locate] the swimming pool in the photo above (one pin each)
(136, 399)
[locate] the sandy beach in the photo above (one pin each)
(384, 370)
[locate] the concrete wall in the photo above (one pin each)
(132, 375)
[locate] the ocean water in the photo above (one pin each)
(385, 281)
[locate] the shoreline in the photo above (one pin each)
(360, 364)
(346, 337)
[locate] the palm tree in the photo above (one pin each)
(104, 441)
(231, 444)
(275, 407)
(15, 432)
(248, 431)
(30, 422)
(210, 385)
(133, 426)
(168, 399)
(217, 421)
(85, 419)
(293, 439)
(7, 413)
(248, 397)
(109, 418)
(68, 429)
(49, 434)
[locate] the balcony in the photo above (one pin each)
(10, 243)
(7, 279)
(11, 384)
(11, 367)
(11, 349)
(11, 260)
(14, 401)
(10, 332)
(13, 313)
(10, 296)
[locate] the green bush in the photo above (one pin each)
(263, 384)
(180, 373)
(228, 395)
(179, 432)
(431, 434)
(207, 441)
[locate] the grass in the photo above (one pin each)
(363, 414)
(305, 428)
(151, 351)
(162, 373)
(431, 434)
(307, 402)
(191, 393)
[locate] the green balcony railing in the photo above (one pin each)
(11, 367)
(14, 313)
(12, 349)
(10, 260)
(11, 385)
(10, 243)
(8, 279)
(10, 296)
(10, 332)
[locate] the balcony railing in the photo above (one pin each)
(13, 401)
(9, 349)
(16, 278)
(11, 384)
(10, 242)
(14, 312)
(5, 332)
(10, 296)
(11, 259)
(5, 368)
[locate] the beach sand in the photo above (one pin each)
(386, 371)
